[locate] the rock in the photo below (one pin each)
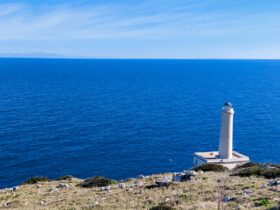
(96, 203)
(132, 187)
(191, 173)
(38, 186)
(7, 203)
(41, 203)
(162, 181)
(248, 191)
(264, 186)
(200, 172)
(63, 185)
(238, 206)
(141, 176)
(271, 183)
(179, 177)
(166, 200)
(140, 183)
(14, 189)
(53, 189)
(227, 198)
(274, 183)
(107, 188)
(122, 185)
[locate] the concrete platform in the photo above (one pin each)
(213, 157)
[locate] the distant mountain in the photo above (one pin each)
(30, 55)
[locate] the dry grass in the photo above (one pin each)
(203, 192)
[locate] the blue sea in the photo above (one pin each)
(123, 118)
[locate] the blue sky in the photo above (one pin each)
(140, 29)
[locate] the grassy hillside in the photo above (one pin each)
(206, 190)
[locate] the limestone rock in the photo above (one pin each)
(191, 173)
(162, 181)
(248, 191)
(63, 185)
(53, 189)
(14, 189)
(141, 176)
(140, 183)
(227, 198)
(41, 203)
(179, 177)
(132, 187)
(122, 185)
(107, 188)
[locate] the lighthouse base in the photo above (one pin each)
(213, 157)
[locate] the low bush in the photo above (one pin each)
(67, 177)
(210, 167)
(34, 180)
(270, 173)
(246, 165)
(258, 170)
(263, 203)
(162, 207)
(96, 181)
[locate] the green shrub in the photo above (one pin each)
(247, 165)
(162, 207)
(245, 172)
(184, 196)
(96, 181)
(34, 180)
(67, 177)
(270, 173)
(263, 203)
(210, 167)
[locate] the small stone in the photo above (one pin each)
(140, 183)
(63, 185)
(53, 189)
(166, 200)
(122, 185)
(107, 188)
(248, 191)
(162, 181)
(38, 186)
(14, 189)
(141, 176)
(191, 173)
(6, 203)
(132, 187)
(272, 183)
(179, 177)
(264, 186)
(227, 198)
(200, 172)
(96, 203)
(41, 203)
(238, 206)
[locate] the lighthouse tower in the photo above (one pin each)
(225, 156)
(225, 147)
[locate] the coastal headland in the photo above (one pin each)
(252, 186)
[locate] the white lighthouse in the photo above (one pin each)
(225, 156)
(225, 147)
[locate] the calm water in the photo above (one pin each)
(122, 118)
